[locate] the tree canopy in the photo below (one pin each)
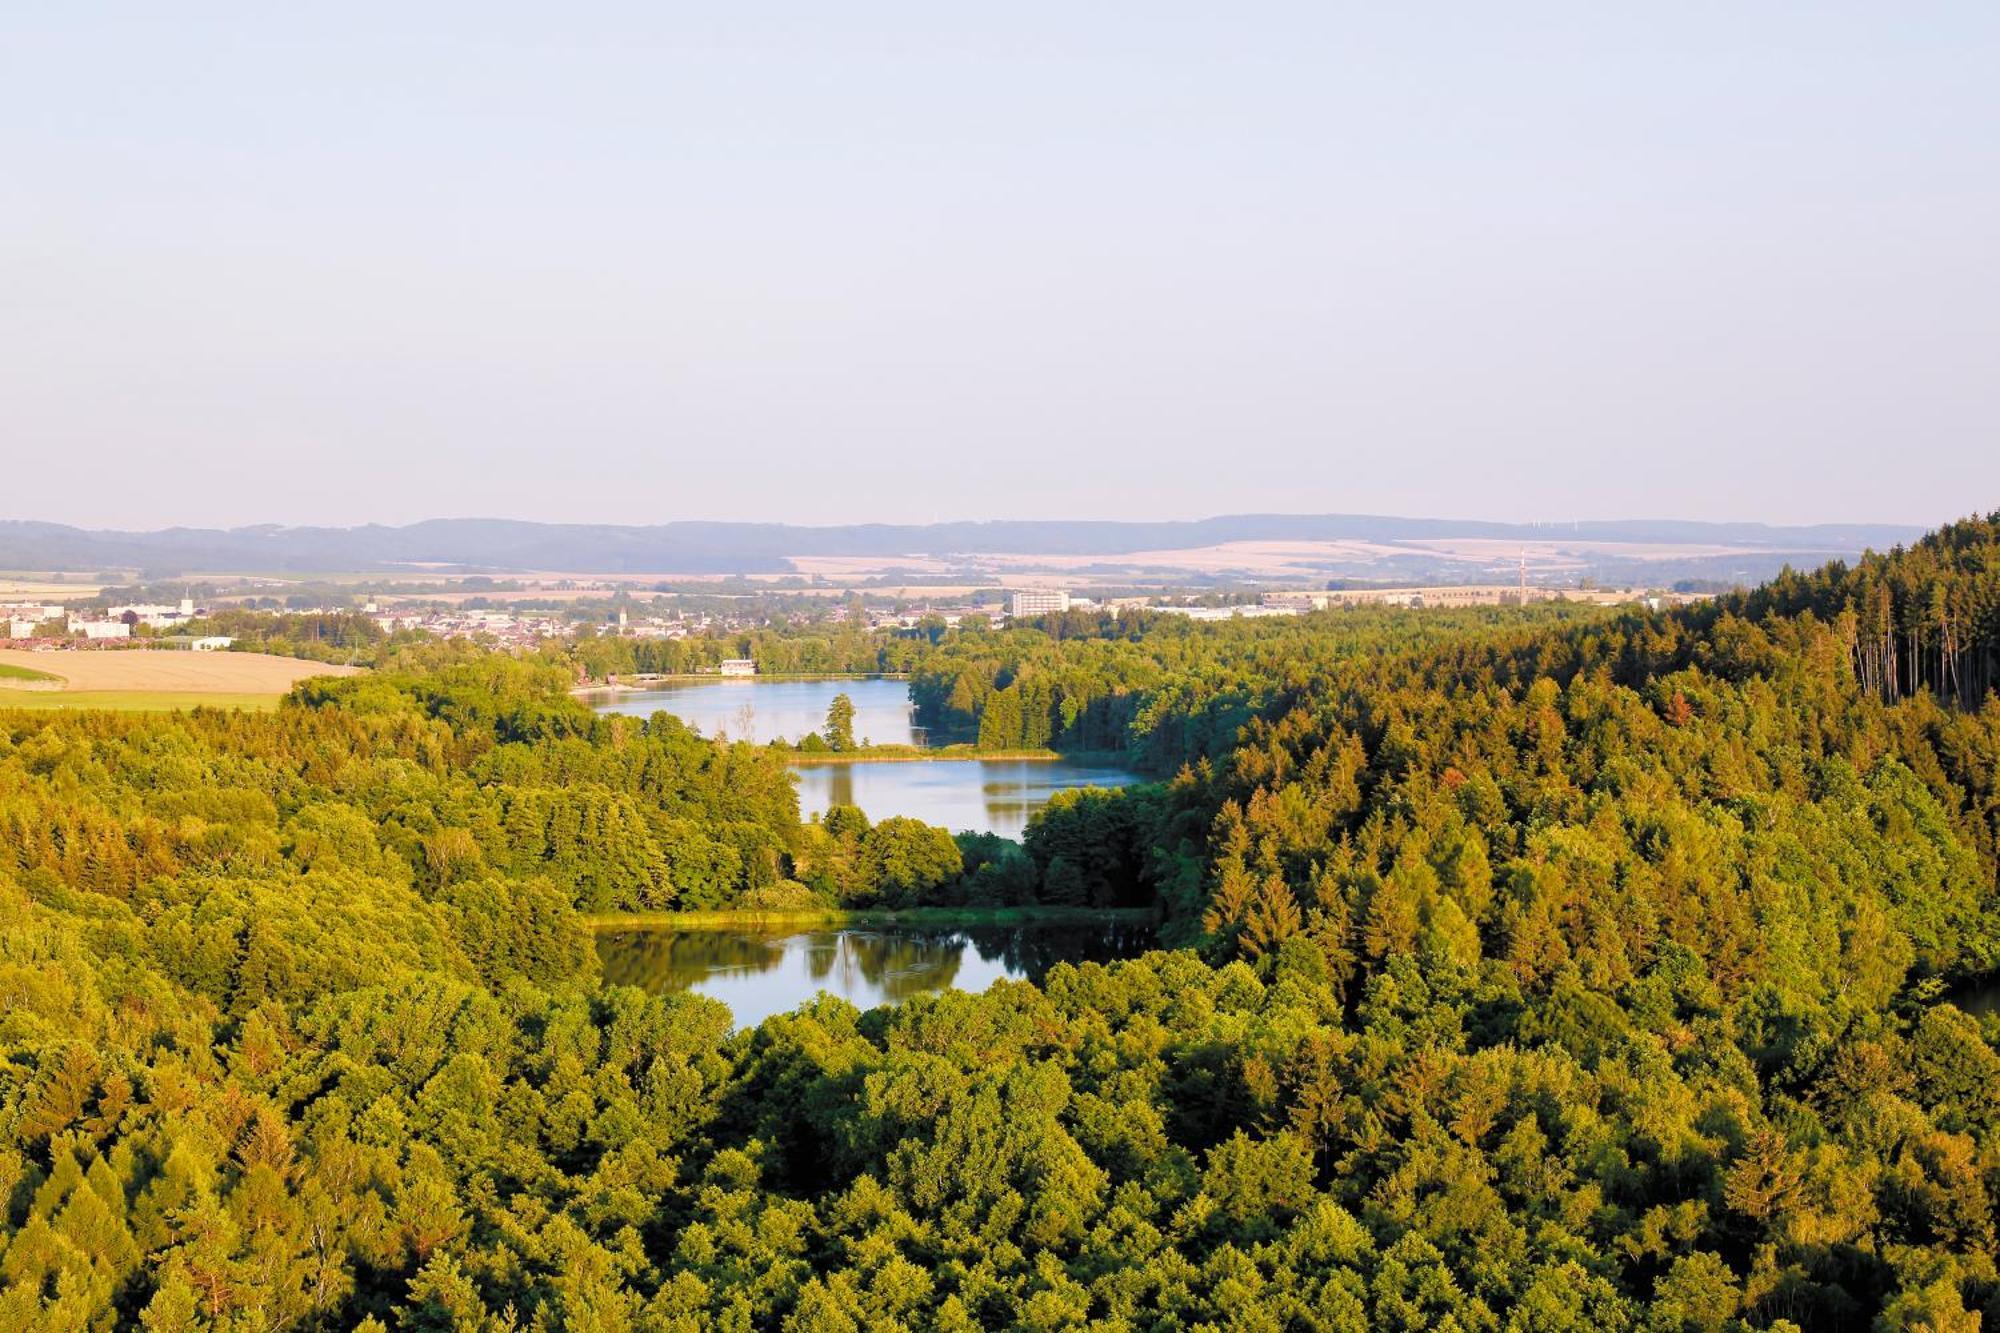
(1543, 972)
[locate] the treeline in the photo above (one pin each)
(478, 770)
(1926, 618)
(320, 636)
(811, 650)
(1161, 689)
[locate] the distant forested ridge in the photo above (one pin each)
(1543, 972)
(700, 547)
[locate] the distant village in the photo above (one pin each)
(53, 623)
(1041, 602)
(46, 624)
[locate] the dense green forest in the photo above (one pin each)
(470, 769)
(1541, 973)
(1161, 688)
(319, 636)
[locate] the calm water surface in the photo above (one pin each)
(758, 974)
(749, 709)
(1983, 998)
(983, 795)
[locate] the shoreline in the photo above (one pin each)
(640, 685)
(839, 917)
(960, 753)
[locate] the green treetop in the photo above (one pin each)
(839, 730)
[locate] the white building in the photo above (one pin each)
(31, 614)
(739, 666)
(101, 629)
(151, 616)
(1038, 602)
(1227, 612)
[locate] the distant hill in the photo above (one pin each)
(503, 545)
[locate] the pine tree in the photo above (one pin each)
(839, 730)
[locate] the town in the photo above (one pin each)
(90, 619)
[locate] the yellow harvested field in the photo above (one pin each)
(164, 670)
(13, 588)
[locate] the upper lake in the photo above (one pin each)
(761, 711)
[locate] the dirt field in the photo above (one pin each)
(162, 671)
(14, 588)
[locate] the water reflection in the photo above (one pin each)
(984, 795)
(1979, 1000)
(764, 710)
(758, 974)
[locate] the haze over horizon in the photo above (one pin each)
(1555, 527)
(887, 263)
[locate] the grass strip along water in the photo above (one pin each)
(835, 918)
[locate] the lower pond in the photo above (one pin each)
(1979, 999)
(760, 973)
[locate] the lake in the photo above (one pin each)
(983, 795)
(750, 709)
(760, 973)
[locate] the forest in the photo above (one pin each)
(1531, 971)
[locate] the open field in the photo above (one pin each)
(24, 588)
(11, 674)
(151, 678)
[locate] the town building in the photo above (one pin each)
(31, 614)
(1038, 602)
(1436, 596)
(101, 629)
(1473, 594)
(151, 616)
(1226, 612)
(739, 666)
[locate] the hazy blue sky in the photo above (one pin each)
(863, 261)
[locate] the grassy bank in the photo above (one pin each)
(633, 683)
(833, 917)
(917, 754)
(135, 701)
(9, 671)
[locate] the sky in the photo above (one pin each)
(820, 263)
